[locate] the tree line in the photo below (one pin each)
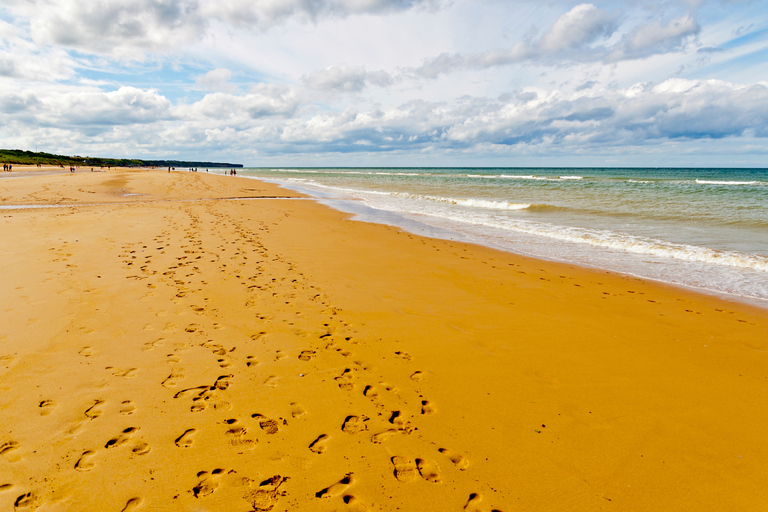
(22, 157)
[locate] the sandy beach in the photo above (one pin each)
(186, 341)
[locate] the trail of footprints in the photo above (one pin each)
(244, 433)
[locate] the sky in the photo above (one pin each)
(411, 83)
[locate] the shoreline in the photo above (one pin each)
(365, 213)
(274, 355)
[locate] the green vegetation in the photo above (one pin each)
(19, 157)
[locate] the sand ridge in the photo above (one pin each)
(237, 355)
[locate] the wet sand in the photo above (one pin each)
(185, 341)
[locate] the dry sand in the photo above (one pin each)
(178, 350)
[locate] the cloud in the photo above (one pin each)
(263, 14)
(15, 103)
(568, 38)
(274, 120)
(130, 28)
(643, 113)
(346, 79)
(654, 37)
(125, 106)
(216, 80)
(596, 119)
(583, 34)
(580, 26)
(262, 101)
(21, 59)
(125, 27)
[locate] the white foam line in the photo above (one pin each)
(708, 182)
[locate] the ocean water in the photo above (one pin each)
(699, 228)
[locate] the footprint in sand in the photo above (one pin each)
(251, 361)
(459, 460)
(141, 448)
(173, 379)
(94, 411)
(86, 352)
(354, 504)
(338, 488)
(370, 392)
(389, 387)
(297, 411)
(186, 439)
(404, 355)
(27, 501)
(237, 434)
(354, 424)
(121, 438)
(427, 407)
(271, 381)
(119, 372)
(222, 382)
(319, 445)
(132, 504)
(383, 436)
(306, 355)
(405, 469)
(417, 376)
(473, 503)
(10, 451)
(398, 420)
(172, 358)
(265, 497)
(152, 344)
(428, 470)
(224, 362)
(46, 407)
(217, 349)
(199, 390)
(268, 425)
(127, 408)
(344, 353)
(345, 380)
(5, 487)
(85, 462)
(209, 482)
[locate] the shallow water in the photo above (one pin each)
(701, 228)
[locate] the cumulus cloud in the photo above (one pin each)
(569, 37)
(636, 116)
(132, 27)
(346, 78)
(583, 34)
(262, 101)
(674, 109)
(580, 26)
(274, 119)
(21, 59)
(15, 102)
(654, 37)
(216, 80)
(125, 106)
(127, 27)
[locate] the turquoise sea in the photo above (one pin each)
(700, 228)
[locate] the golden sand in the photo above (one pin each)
(184, 341)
